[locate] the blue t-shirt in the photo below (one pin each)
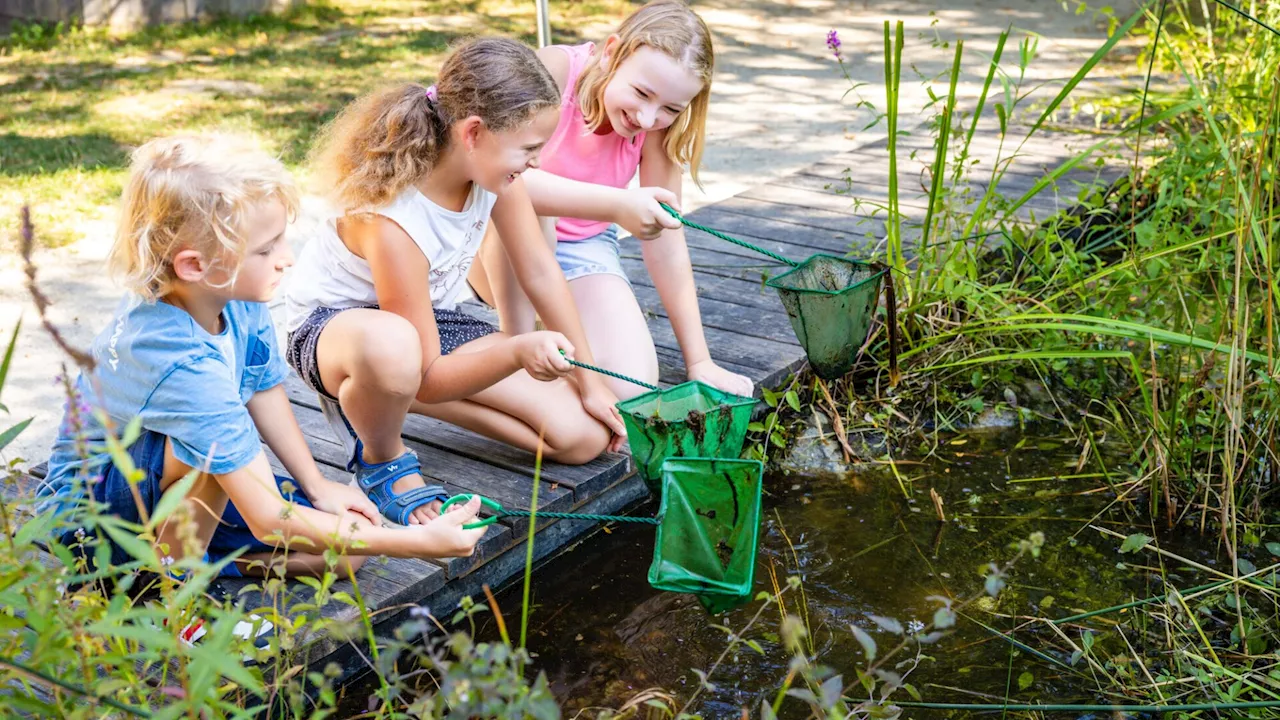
(154, 361)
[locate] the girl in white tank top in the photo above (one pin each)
(415, 174)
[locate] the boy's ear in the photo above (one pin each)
(189, 266)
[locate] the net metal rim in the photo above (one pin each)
(774, 282)
(731, 400)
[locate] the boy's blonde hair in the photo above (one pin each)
(672, 28)
(194, 192)
(389, 139)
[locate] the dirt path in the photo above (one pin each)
(780, 104)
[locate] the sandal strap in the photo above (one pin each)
(403, 504)
(376, 481)
(372, 477)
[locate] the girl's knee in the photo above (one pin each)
(388, 356)
(578, 443)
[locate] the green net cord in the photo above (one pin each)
(578, 516)
(612, 374)
(500, 512)
(722, 236)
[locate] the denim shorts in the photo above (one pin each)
(596, 255)
(112, 490)
(455, 329)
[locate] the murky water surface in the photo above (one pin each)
(602, 634)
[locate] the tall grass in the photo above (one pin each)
(1151, 307)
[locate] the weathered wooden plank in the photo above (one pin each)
(817, 239)
(671, 369)
(843, 222)
(872, 182)
(766, 362)
(1043, 145)
(737, 290)
(872, 167)
(912, 195)
(763, 324)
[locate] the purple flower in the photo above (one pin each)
(833, 42)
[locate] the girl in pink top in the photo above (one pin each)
(637, 101)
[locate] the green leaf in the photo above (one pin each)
(132, 432)
(1025, 680)
(1274, 548)
(1089, 64)
(8, 354)
(128, 541)
(994, 584)
(8, 436)
(887, 624)
(793, 400)
(868, 644)
(831, 690)
(1135, 542)
(172, 497)
(943, 618)
(36, 527)
(1245, 566)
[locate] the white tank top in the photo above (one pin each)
(327, 274)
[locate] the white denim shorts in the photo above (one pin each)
(596, 255)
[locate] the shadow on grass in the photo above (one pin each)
(22, 155)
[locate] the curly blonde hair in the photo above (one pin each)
(672, 28)
(389, 139)
(191, 191)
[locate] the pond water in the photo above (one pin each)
(602, 634)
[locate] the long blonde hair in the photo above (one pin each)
(191, 191)
(389, 139)
(671, 27)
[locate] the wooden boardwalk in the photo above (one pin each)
(747, 331)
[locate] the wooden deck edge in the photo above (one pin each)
(497, 572)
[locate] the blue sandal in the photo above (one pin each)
(376, 481)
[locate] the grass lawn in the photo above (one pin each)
(73, 107)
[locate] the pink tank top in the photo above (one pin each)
(575, 153)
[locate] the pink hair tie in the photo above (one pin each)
(432, 95)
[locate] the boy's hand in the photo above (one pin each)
(539, 353)
(445, 536)
(336, 499)
(643, 217)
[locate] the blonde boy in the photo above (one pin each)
(192, 352)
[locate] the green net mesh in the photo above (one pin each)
(831, 302)
(709, 528)
(690, 419)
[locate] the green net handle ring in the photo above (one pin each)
(466, 497)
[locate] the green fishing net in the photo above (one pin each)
(692, 419)
(831, 302)
(709, 525)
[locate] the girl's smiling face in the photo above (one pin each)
(648, 90)
(500, 157)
